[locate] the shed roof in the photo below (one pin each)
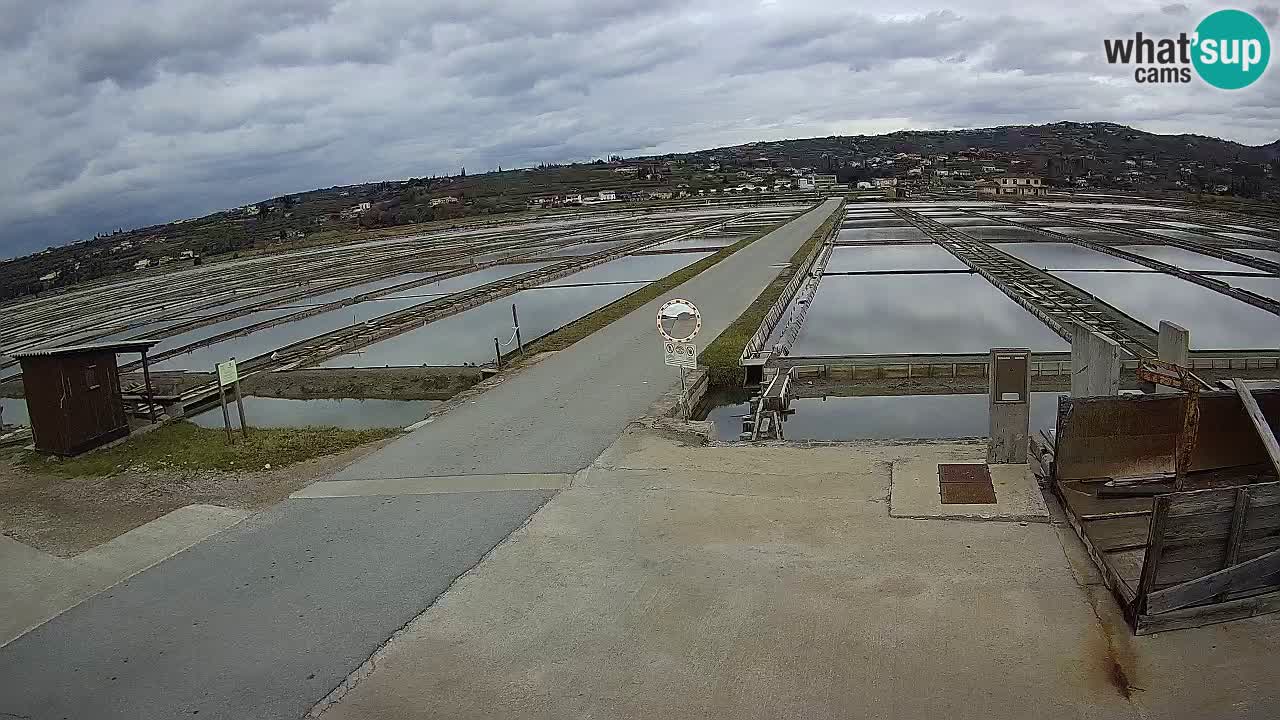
(121, 346)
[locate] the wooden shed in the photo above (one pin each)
(73, 394)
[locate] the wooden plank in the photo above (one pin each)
(1236, 537)
(1136, 435)
(1259, 422)
(1118, 533)
(1200, 502)
(1127, 564)
(1207, 614)
(1191, 592)
(1110, 577)
(1155, 546)
(1081, 498)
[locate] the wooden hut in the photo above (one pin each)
(73, 394)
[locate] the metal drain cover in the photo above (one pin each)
(965, 484)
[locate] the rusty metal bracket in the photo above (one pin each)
(1168, 374)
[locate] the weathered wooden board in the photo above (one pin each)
(1235, 609)
(1259, 421)
(1199, 502)
(1135, 435)
(1245, 575)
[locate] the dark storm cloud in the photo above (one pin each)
(128, 112)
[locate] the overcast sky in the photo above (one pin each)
(130, 112)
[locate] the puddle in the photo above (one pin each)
(880, 417)
(13, 411)
(268, 412)
(1216, 321)
(892, 314)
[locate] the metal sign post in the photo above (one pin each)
(678, 323)
(229, 376)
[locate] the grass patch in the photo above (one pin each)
(721, 356)
(184, 446)
(588, 324)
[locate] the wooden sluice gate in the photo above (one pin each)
(764, 421)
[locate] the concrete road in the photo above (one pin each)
(557, 416)
(264, 620)
(261, 621)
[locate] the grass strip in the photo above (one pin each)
(722, 355)
(588, 324)
(184, 446)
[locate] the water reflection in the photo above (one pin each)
(268, 412)
(1066, 256)
(1186, 259)
(891, 314)
(892, 257)
(1265, 286)
(892, 233)
(1216, 321)
(881, 417)
(267, 339)
(13, 411)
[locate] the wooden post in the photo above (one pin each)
(244, 426)
(515, 320)
(497, 352)
(146, 377)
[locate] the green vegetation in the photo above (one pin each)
(722, 355)
(183, 446)
(588, 324)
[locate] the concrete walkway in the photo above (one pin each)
(772, 582)
(266, 619)
(39, 586)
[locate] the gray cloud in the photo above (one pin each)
(127, 112)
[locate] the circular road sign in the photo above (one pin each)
(679, 320)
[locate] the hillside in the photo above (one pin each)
(1100, 155)
(1106, 154)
